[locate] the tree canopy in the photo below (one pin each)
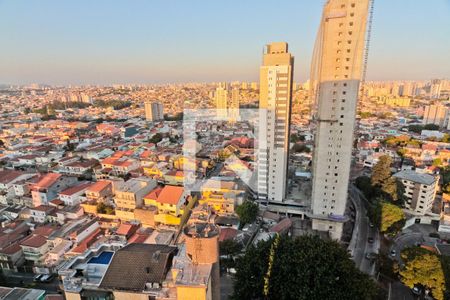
(247, 211)
(423, 268)
(303, 268)
(381, 171)
(392, 218)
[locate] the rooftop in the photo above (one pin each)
(413, 176)
(137, 264)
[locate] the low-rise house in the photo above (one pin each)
(74, 195)
(84, 230)
(48, 187)
(100, 191)
(11, 257)
(41, 213)
(7, 180)
(34, 247)
(79, 168)
(171, 203)
(221, 196)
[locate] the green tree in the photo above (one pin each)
(437, 162)
(401, 152)
(381, 171)
(102, 208)
(229, 247)
(303, 268)
(156, 138)
(393, 190)
(415, 128)
(431, 127)
(392, 218)
(299, 148)
(247, 212)
(445, 263)
(364, 184)
(423, 268)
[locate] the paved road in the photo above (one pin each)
(26, 279)
(359, 246)
(401, 292)
(226, 286)
(404, 241)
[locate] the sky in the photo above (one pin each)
(157, 41)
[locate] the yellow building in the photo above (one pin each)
(171, 202)
(222, 196)
(400, 102)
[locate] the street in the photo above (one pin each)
(362, 231)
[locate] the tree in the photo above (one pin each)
(393, 190)
(392, 218)
(381, 171)
(299, 148)
(156, 138)
(363, 183)
(445, 263)
(229, 247)
(423, 268)
(247, 212)
(102, 208)
(415, 128)
(431, 127)
(437, 162)
(303, 268)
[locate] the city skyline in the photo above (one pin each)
(143, 43)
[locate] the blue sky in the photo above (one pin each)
(153, 41)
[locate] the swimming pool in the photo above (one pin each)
(104, 258)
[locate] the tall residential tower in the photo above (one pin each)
(154, 111)
(275, 97)
(221, 98)
(336, 73)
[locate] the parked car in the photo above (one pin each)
(416, 290)
(370, 240)
(371, 256)
(38, 277)
(393, 252)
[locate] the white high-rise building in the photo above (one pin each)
(337, 69)
(154, 111)
(274, 119)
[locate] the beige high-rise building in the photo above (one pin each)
(275, 98)
(233, 111)
(436, 114)
(337, 68)
(221, 98)
(435, 88)
(154, 111)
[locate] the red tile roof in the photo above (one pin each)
(138, 238)
(34, 241)
(227, 234)
(153, 195)
(45, 208)
(98, 186)
(47, 180)
(7, 176)
(45, 230)
(75, 189)
(126, 229)
(170, 194)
